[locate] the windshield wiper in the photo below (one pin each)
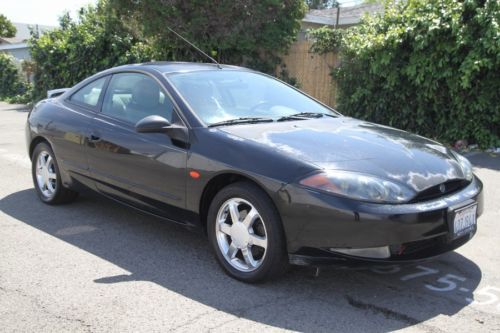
(242, 120)
(303, 116)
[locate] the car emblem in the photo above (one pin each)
(442, 188)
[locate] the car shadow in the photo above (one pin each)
(14, 107)
(384, 299)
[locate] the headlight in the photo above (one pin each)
(358, 186)
(465, 165)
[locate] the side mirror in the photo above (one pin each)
(152, 124)
(157, 124)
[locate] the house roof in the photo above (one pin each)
(347, 15)
(23, 32)
(10, 47)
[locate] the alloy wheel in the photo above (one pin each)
(241, 234)
(46, 176)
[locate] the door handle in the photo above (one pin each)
(94, 138)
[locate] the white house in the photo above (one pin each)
(17, 46)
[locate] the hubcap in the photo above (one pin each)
(46, 174)
(241, 234)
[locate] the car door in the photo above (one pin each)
(146, 170)
(71, 126)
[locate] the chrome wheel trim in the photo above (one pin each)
(46, 176)
(240, 232)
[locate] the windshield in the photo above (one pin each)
(220, 96)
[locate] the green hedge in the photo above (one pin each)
(10, 80)
(427, 66)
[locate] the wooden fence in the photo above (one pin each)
(312, 71)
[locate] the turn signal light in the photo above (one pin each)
(194, 174)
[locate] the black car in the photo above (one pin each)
(271, 175)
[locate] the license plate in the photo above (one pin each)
(464, 221)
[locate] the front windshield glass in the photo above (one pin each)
(218, 96)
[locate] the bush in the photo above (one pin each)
(325, 39)
(10, 80)
(25, 97)
(427, 66)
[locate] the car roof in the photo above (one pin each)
(168, 67)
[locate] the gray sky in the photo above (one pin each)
(47, 12)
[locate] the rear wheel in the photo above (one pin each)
(47, 178)
(246, 234)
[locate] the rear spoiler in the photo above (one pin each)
(56, 92)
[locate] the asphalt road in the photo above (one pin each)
(95, 266)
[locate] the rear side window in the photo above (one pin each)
(89, 94)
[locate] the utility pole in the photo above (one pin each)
(338, 15)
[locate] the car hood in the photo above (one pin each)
(349, 144)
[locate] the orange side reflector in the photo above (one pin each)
(320, 181)
(194, 174)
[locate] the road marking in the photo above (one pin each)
(488, 296)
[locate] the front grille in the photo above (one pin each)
(426, 247)
(416, 246)
(435, 191)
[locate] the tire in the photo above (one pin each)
(44, 169)
(253, 249)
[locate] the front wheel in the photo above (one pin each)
(246, 234)
(47, 177)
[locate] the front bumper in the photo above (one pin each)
(315, 222)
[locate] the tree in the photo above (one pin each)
(427, 66)
(250, 33)
(116, 32)
(7, 29)
(95, 41)
(321, 4)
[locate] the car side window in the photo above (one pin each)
(133, 96)
(89, 94)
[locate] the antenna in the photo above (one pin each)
(195, 47)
